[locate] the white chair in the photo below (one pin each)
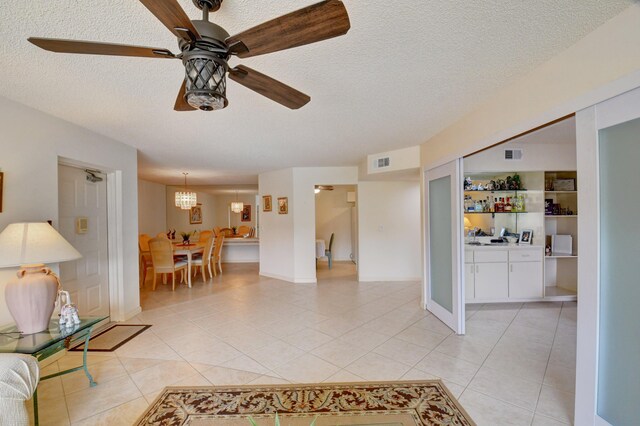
(19, 375)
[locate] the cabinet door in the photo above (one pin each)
(525, 280)
(491, 281)
(469, 281)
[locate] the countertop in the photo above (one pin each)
(509, 246)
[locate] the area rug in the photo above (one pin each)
(373, 403)
(112, 338)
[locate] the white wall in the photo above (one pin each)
(333, 215)
(399, 159)
(152, 212)
(551, 148)
(276, 230)
(389, 231)
(601, 65)
(31, 144)
(178, 219)
(221, 209)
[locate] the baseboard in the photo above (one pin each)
(288, 279)
(363, 279)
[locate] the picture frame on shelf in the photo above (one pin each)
(245, 215)
(266, 203)
(526, 236)
(195, 215)
(283, 205)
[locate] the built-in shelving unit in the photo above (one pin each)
(561, 269)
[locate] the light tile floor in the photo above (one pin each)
(515, 365)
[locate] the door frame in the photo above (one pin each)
(456, 319)
(589, 121)
(115, 245)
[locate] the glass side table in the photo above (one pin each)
(46, 343)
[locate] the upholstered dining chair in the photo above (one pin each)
(328, 252)
(216, 257)
(163, 261)
(244, 230)
(204, 259)
(204, 236)
(145, 257)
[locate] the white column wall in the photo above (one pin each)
(152, 201)
(389, 231)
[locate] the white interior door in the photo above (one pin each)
(444, 287)
(608, 340)
(85, 279)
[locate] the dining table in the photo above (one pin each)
(182, 249)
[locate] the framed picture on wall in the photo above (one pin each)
(266, 203)
(245, 216)
(283, 205)
(195, 215)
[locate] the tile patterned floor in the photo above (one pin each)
(515, 365)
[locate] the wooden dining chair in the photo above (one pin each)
(328, 252)
(216, 257)
(162, 235)
(204, 259)
(205, 236)
(145, 257)
(244, 230)
(227, 232)
(216, 230)
(163, 261)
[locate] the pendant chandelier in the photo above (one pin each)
(186, 199)
(237, 206)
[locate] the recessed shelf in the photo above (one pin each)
(547, 216)
(561, 192)
(495, 212)
(496, 190)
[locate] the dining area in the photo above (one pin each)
(168, 258)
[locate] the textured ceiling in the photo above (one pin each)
(406, 70)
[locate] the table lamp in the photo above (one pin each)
(31, 296)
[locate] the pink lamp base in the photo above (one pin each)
(31, 297)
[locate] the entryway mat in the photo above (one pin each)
(112, 338)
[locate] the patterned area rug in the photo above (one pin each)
(371, 403)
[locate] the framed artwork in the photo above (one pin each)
(245, 216)
(266, 203)
(527, 236)
(1, 184)
(195, 215)
(283, 205)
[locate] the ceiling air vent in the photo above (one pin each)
(381, 163)
(513, 154)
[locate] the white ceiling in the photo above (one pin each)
(405, 71)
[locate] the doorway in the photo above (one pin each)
(336, 216)
(82, 212)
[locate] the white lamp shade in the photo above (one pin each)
(27, 243)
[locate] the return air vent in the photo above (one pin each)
(381, 163)
(513, 154)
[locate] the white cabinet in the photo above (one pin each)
(469, 281)
(503, 275)
(491, 281)
(525, 280)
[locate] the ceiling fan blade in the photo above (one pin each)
(173, 17)
(95, 48)
(181, 103)
(314, 23)
(268, 87)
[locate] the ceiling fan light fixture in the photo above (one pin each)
(205, 77)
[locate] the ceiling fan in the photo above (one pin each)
(206, 47)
